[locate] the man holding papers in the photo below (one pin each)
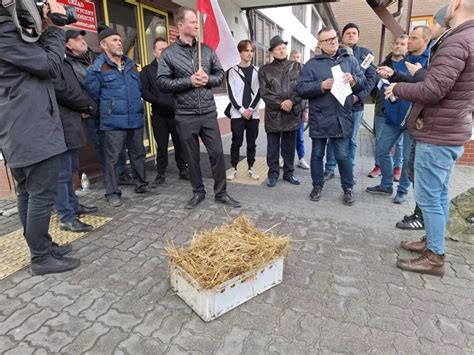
(328, 80)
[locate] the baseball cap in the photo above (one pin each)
(74, 34)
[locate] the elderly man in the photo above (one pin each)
(328, 119)
(283, 108)
(441, 123)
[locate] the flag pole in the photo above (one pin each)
(199, 41)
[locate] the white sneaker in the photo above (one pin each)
(281, 163)
(232, 174)
(253, 174)
(303, 164)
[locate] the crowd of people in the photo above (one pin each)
(423, 91)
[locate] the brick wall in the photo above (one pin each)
(359, 12)
(7, 184)
(468, 157)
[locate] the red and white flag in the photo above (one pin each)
(217, 34)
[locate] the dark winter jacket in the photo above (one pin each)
(118, 94)
(162, 103)
(278, 83)
(327, 117)
(30, 127)
(177, 64)
(405, 76)
(73, 100)
(444, 101)
(360, 53)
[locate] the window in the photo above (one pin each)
(300, 13)
(295, 44)
(315, 23)
(264, 31)
(420, 21)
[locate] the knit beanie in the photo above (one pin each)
(440, 15)
(105, 32)
(350, 25)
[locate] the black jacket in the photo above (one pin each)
(73, 100)
(277, 84)
(30, 127)
(162, 103)
(177, 63)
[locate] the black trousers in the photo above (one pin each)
(163, 126)
(114, 143)
(36, 187)
(190, 129)
(238, 126)
(286, 143)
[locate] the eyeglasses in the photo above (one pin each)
(329, 40)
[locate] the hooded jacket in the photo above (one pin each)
(327, 117)
(444, 101)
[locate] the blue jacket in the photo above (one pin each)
(327, 117)
(370, 76)
(395, 113)
(118, 94)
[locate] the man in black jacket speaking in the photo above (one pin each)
(196, 116)
(163, 120)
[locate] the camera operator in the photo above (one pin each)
(31, 134)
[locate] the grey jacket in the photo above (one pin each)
(177, 64)
(30, 127)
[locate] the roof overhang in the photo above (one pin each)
(259, 4)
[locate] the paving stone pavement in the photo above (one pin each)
(341, 291)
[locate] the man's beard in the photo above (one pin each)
(117, 53)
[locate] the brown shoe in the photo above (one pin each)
(428, 263)
(416, 247)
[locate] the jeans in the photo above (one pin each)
(205, 126)
(284, 142)
(238, 126)
(398, 157)
(36, 188)
(66, 201)
(433, 167)
(115, 143)
(300, 141)
(163, 126)
(389, 135)
(341, 148)
(331, 158)
(97, 139)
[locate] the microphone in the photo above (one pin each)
(368, 62)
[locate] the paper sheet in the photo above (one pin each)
(339, 89)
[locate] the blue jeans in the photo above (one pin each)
(398, 157)
(433, 167)
(300, 141)
(66, 201)
(331, 158)
(389, 135)
(341, 148)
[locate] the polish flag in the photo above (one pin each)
(217, 34)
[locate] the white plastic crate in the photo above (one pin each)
(210, 304)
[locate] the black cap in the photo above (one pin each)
(74, 34)
(275, 42)
(350, 25)
(105, 32)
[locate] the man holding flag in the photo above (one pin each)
(189, 71)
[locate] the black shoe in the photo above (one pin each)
(53, 264)
(196, 200)
(159, 180)
(229, 201)
(412, 222)
(328, 176)
(184, 175)
(125, 180)
(348, 198)
(315, 195)
(292, 180)
(61, 250)
(75, 226)
(114, 200)
(271, 182)
(143, 189)
(83, 209)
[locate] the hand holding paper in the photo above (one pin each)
(341, 87)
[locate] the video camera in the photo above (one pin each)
(57, 18)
